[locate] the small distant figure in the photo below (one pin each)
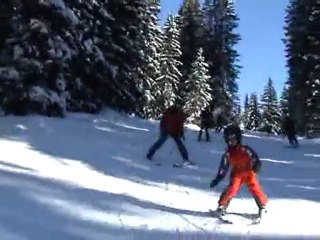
(206, 123)
(171, 125)
(219, 123)
(289, 130)
(245, 164)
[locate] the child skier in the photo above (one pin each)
(244, 163)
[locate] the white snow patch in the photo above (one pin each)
(71, 179)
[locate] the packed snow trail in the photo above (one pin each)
(86, 177)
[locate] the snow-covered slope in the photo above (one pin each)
(86, 177)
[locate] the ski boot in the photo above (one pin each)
(221, 210)
(262, 212)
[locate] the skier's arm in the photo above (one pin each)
(222, 172)
(255, 160)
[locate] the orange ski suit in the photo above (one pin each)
(242, 160)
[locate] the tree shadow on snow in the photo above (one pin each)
(117, 147)
(42, 209)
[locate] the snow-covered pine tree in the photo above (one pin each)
(90, 68)
(231, 57)
(254, 116)
(199, 92)
(219, 40)
(190, 20)
(7, 11)
(284, 102)
(313, 83)
(170, 64)
(125, 51)
(302, 41)
(150, 69)
(37, 56)
(271, 117)
(313, 101)
(245, 117)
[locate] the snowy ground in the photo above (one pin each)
(86, 177)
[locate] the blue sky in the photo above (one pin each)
(261, 49)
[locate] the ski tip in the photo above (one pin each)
(184, 164)
(177, 165)
(256, 221)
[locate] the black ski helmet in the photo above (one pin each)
(232, 130)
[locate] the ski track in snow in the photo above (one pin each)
(86, 177)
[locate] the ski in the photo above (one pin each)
(156, 163)
(292, 146)
(259, 217)
(256, 221)
(176, 165)
(183, 164)
(219, 216)
(226, 220)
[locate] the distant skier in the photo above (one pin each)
(219, 123)
(206, 123)
(171, 124)
(290, 131)
(244, 163)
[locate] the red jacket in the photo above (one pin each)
(241, 159)
(243, 162)
(172, 122)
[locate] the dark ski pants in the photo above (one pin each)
(218, 128)
(292, 139)
(205, 125)
(206, 130)
(161, 140)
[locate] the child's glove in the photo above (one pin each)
(256, 166)
(214, 183)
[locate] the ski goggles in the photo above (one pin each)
(232, 140)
